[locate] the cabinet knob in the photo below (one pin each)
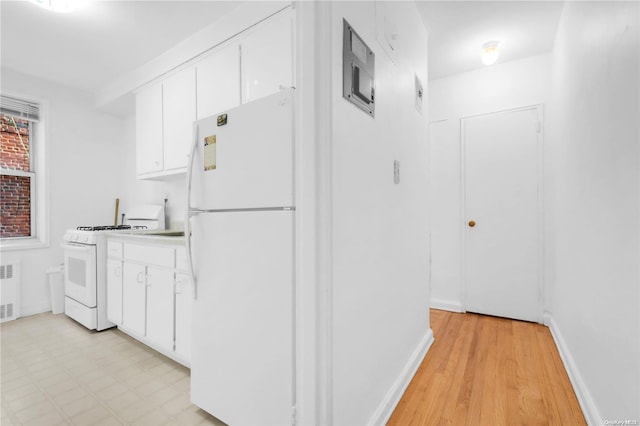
(472, 224)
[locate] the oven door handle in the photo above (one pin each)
(73, 247)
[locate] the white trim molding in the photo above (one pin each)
(588, 406)
(39, 183)
(446, 305)
(392, 398)
(323, 156)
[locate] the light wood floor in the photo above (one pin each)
(485, 370)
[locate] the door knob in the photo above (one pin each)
(472, 224)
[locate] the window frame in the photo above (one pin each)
(38, 180)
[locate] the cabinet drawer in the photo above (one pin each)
(160, 256)
(114, 249)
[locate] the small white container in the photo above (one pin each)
(55, 277)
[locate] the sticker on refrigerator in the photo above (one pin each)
(210, 153)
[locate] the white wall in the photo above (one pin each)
(499, 87)
(380, 230)
(84, 148)
(593, 153)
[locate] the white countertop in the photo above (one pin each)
(151, 236)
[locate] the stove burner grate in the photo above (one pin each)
(109, 227)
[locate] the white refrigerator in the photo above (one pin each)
(240, 243)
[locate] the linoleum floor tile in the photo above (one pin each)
(54, 372)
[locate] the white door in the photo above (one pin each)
(149, 130)
(114, 291)
(159, 328)
(446, 249)
(218, 81)
(183, 323)
(134, 297)
(501, 203)
(178, 115)
(242, 354)
(267, 59)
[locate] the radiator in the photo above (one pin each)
(9, 291)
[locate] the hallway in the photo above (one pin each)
(485, 370)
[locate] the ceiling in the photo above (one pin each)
(457, 30)
(91, 47)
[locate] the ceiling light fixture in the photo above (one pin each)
(490, 52)
(60, 6)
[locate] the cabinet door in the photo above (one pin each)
(114, 291)
(179, 113)
(267, 59)
(160, 307)
(149, 130)
(218, 78)
(184, 305)
(133, 297)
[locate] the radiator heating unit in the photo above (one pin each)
(9, 291)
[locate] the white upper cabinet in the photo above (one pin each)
(257, 63)
(267, 58)
(218, 81)
(149, 130)
(179, 113)
(165, 113)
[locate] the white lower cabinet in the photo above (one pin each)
(114, 291)
(160, 307)
(134, 297)
(184, 306)
(150, 296)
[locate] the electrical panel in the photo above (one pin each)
(358, 71)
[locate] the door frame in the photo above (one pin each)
(540, 291)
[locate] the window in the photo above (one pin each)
(20, 183)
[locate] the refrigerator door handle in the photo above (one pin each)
(189, 213)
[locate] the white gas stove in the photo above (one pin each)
(85, 266)
(85, 274)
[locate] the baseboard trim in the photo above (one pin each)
(390, 401)
(446, 305)
(588, 406)
(28, 310)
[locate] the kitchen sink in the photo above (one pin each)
(167, 233)
(157, 232)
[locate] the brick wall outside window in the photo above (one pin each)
(15, 191)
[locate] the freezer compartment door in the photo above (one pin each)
(242, 352)
(244, 156)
